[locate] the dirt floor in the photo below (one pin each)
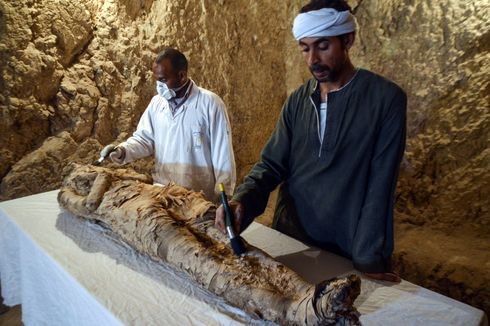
(455, 265)
(11, 317)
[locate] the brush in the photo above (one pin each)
(236, 241)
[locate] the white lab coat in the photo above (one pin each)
(192, 147)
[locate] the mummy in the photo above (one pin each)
(174, 225)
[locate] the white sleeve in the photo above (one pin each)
(141, 144)
(222, 149)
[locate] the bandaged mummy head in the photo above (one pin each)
(323, 22)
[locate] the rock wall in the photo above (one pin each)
(76, 76)
(83, 68)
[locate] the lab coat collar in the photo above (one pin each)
(191, 101)
(194, 95)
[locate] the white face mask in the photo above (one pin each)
(164, 91)
(167, 93)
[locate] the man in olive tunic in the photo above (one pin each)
(336, 150)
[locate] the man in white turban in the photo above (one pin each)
(335, 152)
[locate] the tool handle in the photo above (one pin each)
(226, 206)
(228, 212)
(107, 150)
(235, 240)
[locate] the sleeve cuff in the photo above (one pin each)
(238, 196)
(121, 159)
(248, 218)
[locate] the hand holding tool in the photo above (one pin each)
(104, 153)
(236, 241)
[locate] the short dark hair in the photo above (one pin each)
(339, 5)
(177, 59)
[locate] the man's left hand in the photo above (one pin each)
(390, 277)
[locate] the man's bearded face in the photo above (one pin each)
(325, 57)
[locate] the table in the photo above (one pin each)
(68, 271)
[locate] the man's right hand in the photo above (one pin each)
(238, 212)
(117, 155)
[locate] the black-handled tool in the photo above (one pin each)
(236, 241)
(104, 153)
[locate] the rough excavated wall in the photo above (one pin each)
(439, 53)
(79, 72)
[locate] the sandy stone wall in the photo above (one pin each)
(84, 69)
(75, 75)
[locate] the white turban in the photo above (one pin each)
(323, 22)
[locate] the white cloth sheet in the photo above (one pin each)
(68, 271)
